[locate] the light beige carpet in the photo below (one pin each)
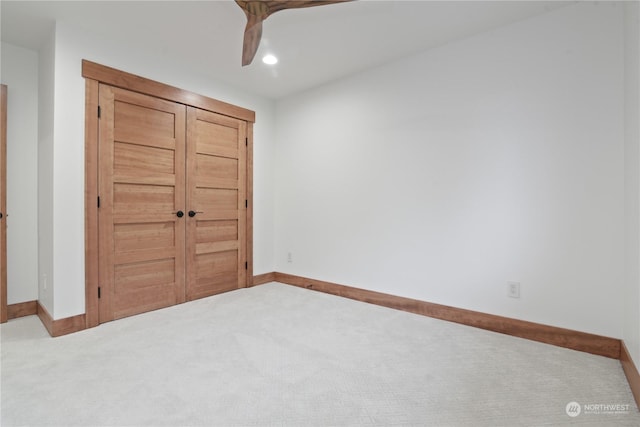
(284, 356)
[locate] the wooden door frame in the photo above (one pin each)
(95, 74)
(3, 203)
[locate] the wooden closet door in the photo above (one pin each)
(141, 190)
(216, 199)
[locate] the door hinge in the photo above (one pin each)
(246, 265)
(246, 142)
(98, 292)
(99, 111)
(98, 201)
(246, 203)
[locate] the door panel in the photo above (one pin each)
(143, 236)
(216, 191)
(129, 156)
(216, 231)
(141, 187)
(215, 272)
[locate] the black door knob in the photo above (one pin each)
(179, 214)
(192, 214)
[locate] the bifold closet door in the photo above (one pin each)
(216, 199)
(172, 203)
(142, 202)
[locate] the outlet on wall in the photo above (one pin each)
(513, 289)
(289, 257)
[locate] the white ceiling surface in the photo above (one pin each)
(314, 45)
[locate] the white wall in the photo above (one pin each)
(46, 82)
(445, 175)
(73, 45)
(439, 177)
(20, 74)
(631, 331)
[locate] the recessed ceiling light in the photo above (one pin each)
(270, 59)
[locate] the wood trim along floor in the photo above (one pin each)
(581, 341)
(631, 372)
(61, 327)
(21, 309)
(77, 323)
(261, 279)
(590, 343)
(45, 318)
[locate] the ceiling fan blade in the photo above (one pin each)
(258, 10)
(265, 8)
(276, 5)
(252, 36)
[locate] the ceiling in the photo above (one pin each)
(314, 45)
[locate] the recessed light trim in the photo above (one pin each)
(269, 59)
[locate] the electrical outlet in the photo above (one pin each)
(289, 257)
(513, 289)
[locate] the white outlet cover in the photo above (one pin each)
(513, 289)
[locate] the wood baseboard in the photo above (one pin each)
(45, 318)
(61, 327)
(21, 309)
(631, 372)
(582, 341)
(261, 279)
